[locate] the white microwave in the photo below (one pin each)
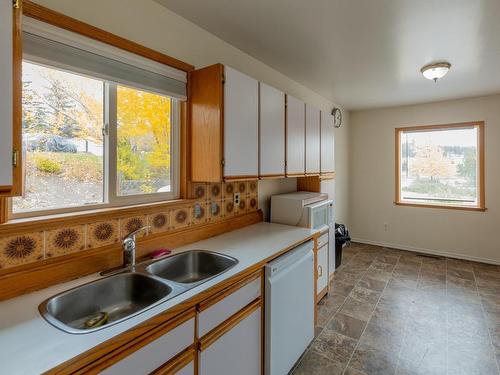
(302, 209)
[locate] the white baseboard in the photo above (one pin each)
(427, 251)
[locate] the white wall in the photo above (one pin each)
(152, 25)
(465, 234)
(272, 187)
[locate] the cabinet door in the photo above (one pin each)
(238, 350)
(312, 139)
(295, 136)
(327, 143)
(322, 272)
(206, 100)
(10, 100)
(241, 125)
(272, 131)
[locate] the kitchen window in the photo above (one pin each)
(441, 166)
(100, 126)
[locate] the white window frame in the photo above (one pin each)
(110, 182)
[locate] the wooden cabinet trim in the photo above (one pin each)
(270, 176)
(226, 326)
(178, 362)
(241, 178)
(228, 291)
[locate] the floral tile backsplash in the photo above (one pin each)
(214, 202)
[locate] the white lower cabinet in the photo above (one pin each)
(322, 271)
(237, 351)
(156, 353)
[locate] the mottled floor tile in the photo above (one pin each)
(334, 346)
(364, 294)
(386, 337)
(342, 288)
(463, 274)
(353, 371)
(465, 363)
(332, 301)
(347, 325)
(373, 284)
(316, 364)
(373, 361)
(357, 309)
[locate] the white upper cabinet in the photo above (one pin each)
(6, 88)
(241, 125)
(327, 143)
(272, 131)
(295, 136)
(312, 140)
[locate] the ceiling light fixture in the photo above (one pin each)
(435, 71)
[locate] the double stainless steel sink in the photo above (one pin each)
(116, 298)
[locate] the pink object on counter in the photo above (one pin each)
(160, 252)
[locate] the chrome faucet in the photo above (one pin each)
(128, 246)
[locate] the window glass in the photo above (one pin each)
(62, 139)
(143, 142)
(439, 166)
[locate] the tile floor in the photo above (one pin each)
(398, 312)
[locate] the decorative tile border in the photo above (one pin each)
(214, 202)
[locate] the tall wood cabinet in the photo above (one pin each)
(224, 124)
(295, 137)
(312, 140)
(10, 99)
(271, 131)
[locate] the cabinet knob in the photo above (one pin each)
(320, 271)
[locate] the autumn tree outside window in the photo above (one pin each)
(441, 166)
(100, 125)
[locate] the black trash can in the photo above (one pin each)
(341, 237)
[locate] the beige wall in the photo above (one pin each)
(465, 234)
(154, 26)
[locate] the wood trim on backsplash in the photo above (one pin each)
(41, 274)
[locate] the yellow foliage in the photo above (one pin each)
(430, 161)
(143, 137)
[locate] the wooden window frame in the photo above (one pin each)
(30, 9)
(479, 125)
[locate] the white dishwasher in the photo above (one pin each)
(289, 315)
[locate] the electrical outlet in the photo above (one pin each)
(197, 210)
(236, 199)
(386, 227)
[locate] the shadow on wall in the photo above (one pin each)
(267, 188)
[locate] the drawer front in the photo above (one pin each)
(183, 364)
(238, 351)
(222, 310)
(323, 240)
(322, 280)
(156, 353)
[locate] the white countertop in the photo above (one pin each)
(30, 345)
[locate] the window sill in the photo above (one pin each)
(82, 217)
(430, 205)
